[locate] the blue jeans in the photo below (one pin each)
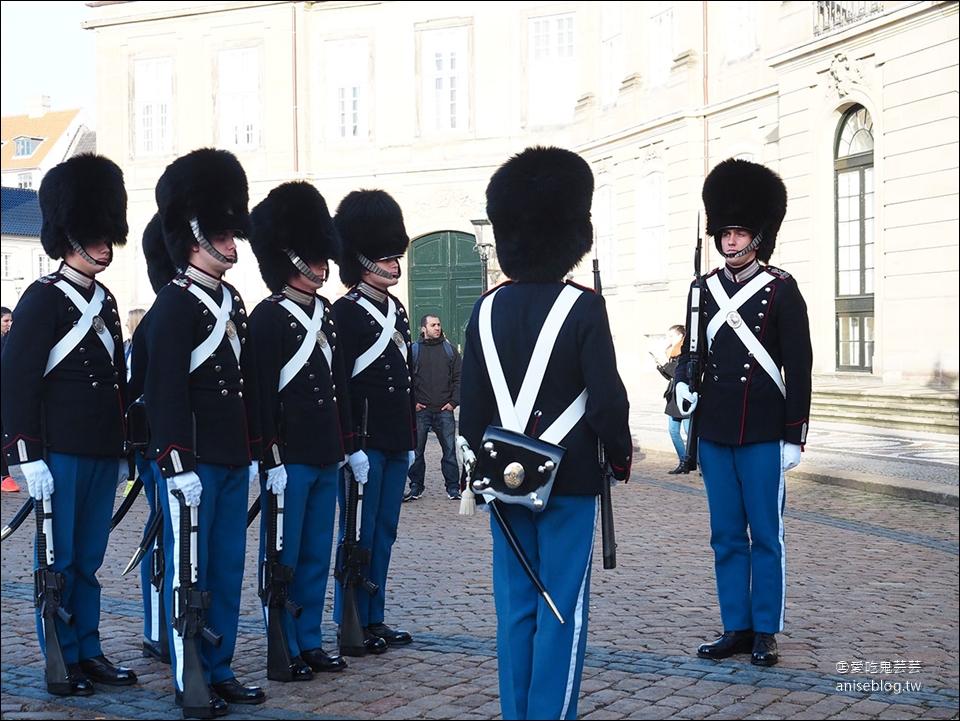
(678, 442)
(444, 426)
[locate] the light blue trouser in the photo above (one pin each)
(310, 504)
(380, 518)
(541, 660)
(84, 489)
(154, 620)
(746, 491)
(222, 537)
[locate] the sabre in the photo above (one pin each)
(25, 510)
(469, 461)
(149, 536)
(127, 503)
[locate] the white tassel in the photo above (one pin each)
(468, 504)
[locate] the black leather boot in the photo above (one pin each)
(727, 645)
(764, 650)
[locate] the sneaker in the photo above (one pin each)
(412, 495)
(454, 496)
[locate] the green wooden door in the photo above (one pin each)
(444, 280)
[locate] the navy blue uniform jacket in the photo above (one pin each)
(309, 421)
(83, 398)
(739, 401)
(583, 356)
(386, 383)
(212, 414)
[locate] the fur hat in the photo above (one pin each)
(294, 217)
(370, 223)
(82, 197)
(160, 269)
(539, 205)
(741, 194)
(207, 185)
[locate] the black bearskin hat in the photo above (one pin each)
(160, 269)
(82, 197)
(370, 223)
(741, 194)
(293, 216)
(207, 185)
(539, 205)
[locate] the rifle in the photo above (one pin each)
(351, 558)
(190, 604)
(48, 592)
(275, 579)
(694, 367)
(607, 531)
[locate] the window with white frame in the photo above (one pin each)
(6, 265)
(652, 214)
(24, 147)
(153, 106)
(552, 81)
(741, 35)
(444, 77)
(25, 180)
(611, 52)
(348, 89)
(239, 98)
(659, 43)
(44, 264)
(605, 230)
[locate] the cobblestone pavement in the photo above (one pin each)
(871, 629)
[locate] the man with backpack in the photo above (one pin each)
(436, 388)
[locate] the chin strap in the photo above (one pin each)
(205, 244)
(81, 251)
(305, 269)
(376, 269)
(754, 244)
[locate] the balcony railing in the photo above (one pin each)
(830, 16)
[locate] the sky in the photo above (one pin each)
(44, 51)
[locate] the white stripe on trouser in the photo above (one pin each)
(156, 613)
(578, 627)
(176, 655)
(781, 491)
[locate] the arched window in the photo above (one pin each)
(854, 232)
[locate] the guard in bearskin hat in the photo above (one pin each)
(552, 338)
(305, 411)
(67, 435)
(753, 404)
(160, 271)
(375, 340)
(202, 406)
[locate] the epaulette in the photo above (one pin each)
(352, 295)
(778, 272)
(182, 282)
(50, 279)
(276, 298)
(581, 287)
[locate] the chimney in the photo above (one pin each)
(39, 105)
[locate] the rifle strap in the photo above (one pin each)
(727, 314)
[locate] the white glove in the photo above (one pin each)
(189, 484)
(39, 479)
(254, 472)
(411, 457)
(686, 401)
(360, 465)
(277, 480)
(789, 456)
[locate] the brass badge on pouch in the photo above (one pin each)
(98, 324)
(231, 330)
(513, 475)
